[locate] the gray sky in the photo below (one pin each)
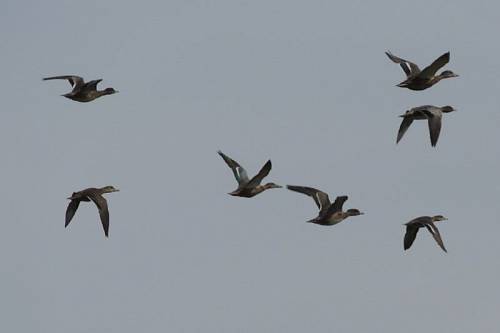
(305, 83)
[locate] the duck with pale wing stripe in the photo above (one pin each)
(329, 213)
(248, 187)
(417, 79)
(82, 91)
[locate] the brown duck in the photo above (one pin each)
(248, 187)
(94, 194)
(417, 79)
(329, 213)
(83, 91)
(431, 113)
(414, 225)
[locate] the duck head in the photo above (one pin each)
(354, 212)
(272, 185)
(109, 91)
(447, 74)
(447, 109)
(109, 189)
(437, 218)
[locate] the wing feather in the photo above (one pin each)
(320, 198)
(239, 172)
(410, 68)
(102, 206)
(71, 210)
(429, 71)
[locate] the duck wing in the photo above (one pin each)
(435, 233)
(71, 210)
(75, 81)
(434, 121)
(410, 235)
(336, 206)
(429, 71)
(410, 68)
(320, 198)
(92, 85)
(102, 207)
(239, 172)
(405, 124)
(264, 171)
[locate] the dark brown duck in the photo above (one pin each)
(432, 113)
(329, 213)
(414, 225)
(94, 195)
(248, 187)
(83, 91)
(417, 79)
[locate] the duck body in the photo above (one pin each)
(248, 192)
(418, 83)
(417, 79)
(329, 213)
(248, 188)
(427, 222)
(83, 91)
(431, 113)
(334, 218)
(95, 195)
(85, 96)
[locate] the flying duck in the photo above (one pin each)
(433, 114)
(417, 79)
(329, 213)
(94, 194)
(248, 187)
(83, 91)
(420, 222)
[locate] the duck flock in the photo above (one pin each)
(329, 213)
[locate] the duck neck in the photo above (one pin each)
(436, 79)
(100, 93)
(260, 188)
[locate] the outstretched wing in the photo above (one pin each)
(410, 68)
(239, 172)
(337, 204)
(75, 81)
(434, 121)
(405, 124)
(102, 206)
(410, 235)
(435, 233)
(92, 85)
(429, 71)
(320, 198)
(264, 171)
(71, 210)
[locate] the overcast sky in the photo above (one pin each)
(304, 83)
